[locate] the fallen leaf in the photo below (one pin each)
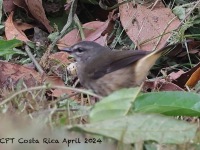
(181, 81)
(175, 75)
(92, 31)
(92, 36)
(11, 74)
(194, 78)
(36, 9)
(101, 40)
(143, 25)
(8, 6)
(23, 26)
(160, 85)
(22, 4)
(11, 30)
(61, 57)
(55, 80)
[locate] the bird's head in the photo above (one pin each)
(85, 50)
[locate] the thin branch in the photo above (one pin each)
(37, 65)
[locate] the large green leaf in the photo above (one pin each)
(140, 127)
(9, 44)
(7, 48)
(117, 104)
(169, 103)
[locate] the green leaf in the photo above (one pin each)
(140, 127)
(179, 11)
(53, 36)
(169, 103)
(7, 47)
(9, 44)
(117, 104)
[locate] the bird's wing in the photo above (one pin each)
(119, 61)
(126, 58)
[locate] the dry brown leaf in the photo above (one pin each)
(69, 39)
(36, 9)
(58, 62)
(101, 40)
(185, 53)
(23, 26)
(92, 36)
(143, 24)
(181, 81)
(92, 30)
(62, 57)
(11, 73)
(22, 4)
(55, 80)
(160, 86)
(194, 78)
(175, 75)
(12, 31)
(8, 6)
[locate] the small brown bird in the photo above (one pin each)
(105, 71)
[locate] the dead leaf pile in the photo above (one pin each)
(33, 9)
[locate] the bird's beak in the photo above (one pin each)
(69, 50)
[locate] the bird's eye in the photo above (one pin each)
(80, 50)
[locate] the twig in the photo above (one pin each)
(79, 26)
(63, 98)
(188, 54)
(39, 68)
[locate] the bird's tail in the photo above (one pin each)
(167, 49)
(143, 65)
